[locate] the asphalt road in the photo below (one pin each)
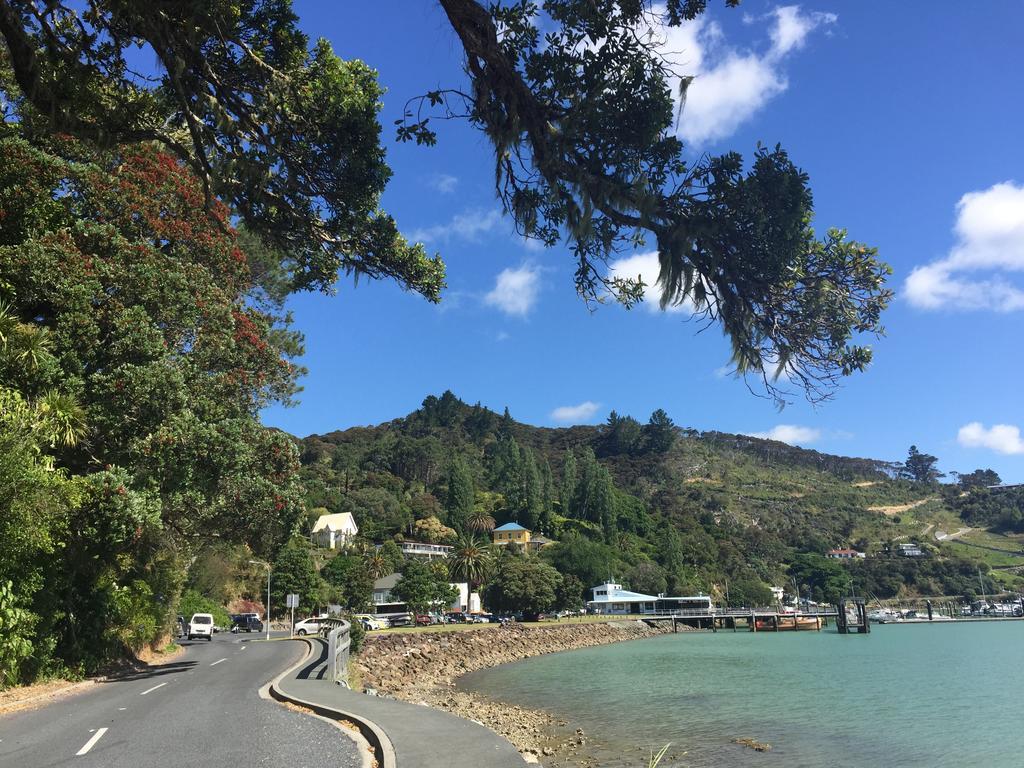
(202, 709)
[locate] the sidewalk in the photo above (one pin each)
(422, 737)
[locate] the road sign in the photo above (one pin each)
(293, 601)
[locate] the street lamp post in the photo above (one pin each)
(267, 566)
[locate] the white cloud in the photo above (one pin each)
(990, 242)
(789, 433)
(575, 413)
(729, 84)
(468, 225)
(646, 267)
(792, 27)
(1001, 438)
(515, 290)
(444, 183)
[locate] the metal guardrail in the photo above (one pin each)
(339, 640)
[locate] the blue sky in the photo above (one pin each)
(909, 124)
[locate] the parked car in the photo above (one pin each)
(423, 620)
(369, 622)
(246, 622)
(200, 625)
(456, 617)
(400, 620)
(309, 626)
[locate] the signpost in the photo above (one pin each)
(292, 601)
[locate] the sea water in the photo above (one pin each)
(933, 695)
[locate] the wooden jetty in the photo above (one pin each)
(751, 619)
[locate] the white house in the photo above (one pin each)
(611, 598)
(385, 602)
(332, 531)
(424, 551)
(844, 554)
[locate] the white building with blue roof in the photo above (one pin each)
(610, 598)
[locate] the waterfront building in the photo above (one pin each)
(610, 598)
(332, 531)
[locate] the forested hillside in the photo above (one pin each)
(660, 507)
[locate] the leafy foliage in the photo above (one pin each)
(132, 367)
(286, 133)
(580, 120)
(523, 584)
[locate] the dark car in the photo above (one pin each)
(246, 622)
(456, 617)
(423, 620)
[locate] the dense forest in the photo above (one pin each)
(659, 507)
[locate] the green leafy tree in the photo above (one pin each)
(569, 594)
(422, 588)
(461, 494)
(647, 578)
(294, 573)
(433, 531)
(749, 593)
(979, 478)
(545, 520)
(659, 432)
(920, 467)
(533, 490)
(621, 435)
(15, 633)
(287, 134)
(351, 581)
(567, 492)
(826, 579)
(522, 584)
(193, 602)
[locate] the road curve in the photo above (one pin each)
(202, 709)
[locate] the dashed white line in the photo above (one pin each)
(91, 742)
(218, 661)
(150, 690)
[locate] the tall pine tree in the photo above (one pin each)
(567, 494)
(461, 494)
(547, 498)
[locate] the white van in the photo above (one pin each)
(200, 625)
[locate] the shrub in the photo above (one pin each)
(193, 602)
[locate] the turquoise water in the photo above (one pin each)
(912, 695)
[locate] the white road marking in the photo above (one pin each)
(121, 709)
(218, 661)
(243, 647)
(91, 742)
(150, 690)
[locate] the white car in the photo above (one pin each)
(370, 622)
(308, 626)
(200, 625)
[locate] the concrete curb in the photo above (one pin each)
(373, 734)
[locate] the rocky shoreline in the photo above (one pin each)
(423, 668)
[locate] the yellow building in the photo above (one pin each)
(511, 533)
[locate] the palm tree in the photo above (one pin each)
(481, 521)
(470, 561)
(377, 565)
